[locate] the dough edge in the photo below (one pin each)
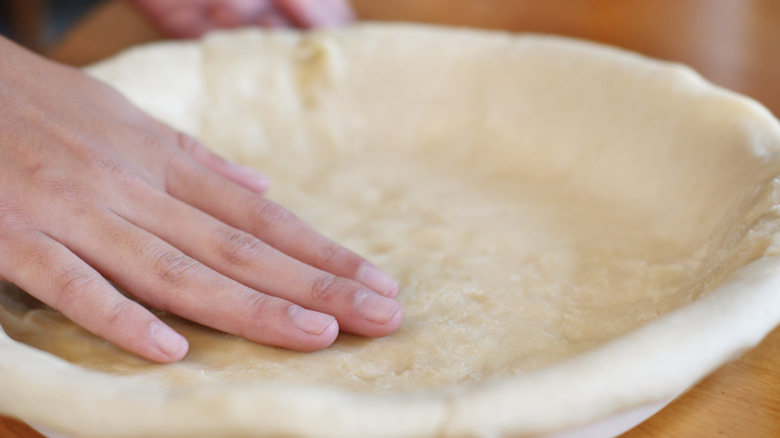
(41, 390)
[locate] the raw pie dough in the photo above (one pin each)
(576, 230)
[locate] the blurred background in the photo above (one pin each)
(733, 43)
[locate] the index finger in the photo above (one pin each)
(238, 207)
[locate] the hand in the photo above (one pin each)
(193, 18)
(92, 188)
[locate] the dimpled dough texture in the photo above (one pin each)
(535, 197)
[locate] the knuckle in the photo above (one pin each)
(335, 256)
(110, 166)
(62, 188)
(258, 306)
(152, 141)
(115, 314)
(187, 143)
(174, 267)
(74, 285)
(270, 214)
(157, 145)
(119, 174)
(240, 248)
(259, 309)
(105, 163)
(333, 253)
(10, 217)
(323, 288)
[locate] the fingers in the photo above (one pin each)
(168, 279)
(276, 253)
(255, 264)
(53, 274)
(301, 13)
(272, 224)
(101, 184)
(234, 13)
(317, 13)
(274, 19)
(177, 18)
(192, 19)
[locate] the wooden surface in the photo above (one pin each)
(734, 43)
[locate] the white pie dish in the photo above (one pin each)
(728, 142)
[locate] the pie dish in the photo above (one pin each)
(578, 231)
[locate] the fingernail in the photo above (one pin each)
(253, 179)
(375, 307)
(260, 183)
(167, 340)
(378, 281)
(311, 322)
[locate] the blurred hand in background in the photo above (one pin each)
(193, 18)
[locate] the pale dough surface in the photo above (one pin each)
(536, 198)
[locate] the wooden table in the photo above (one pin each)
(734, 43)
